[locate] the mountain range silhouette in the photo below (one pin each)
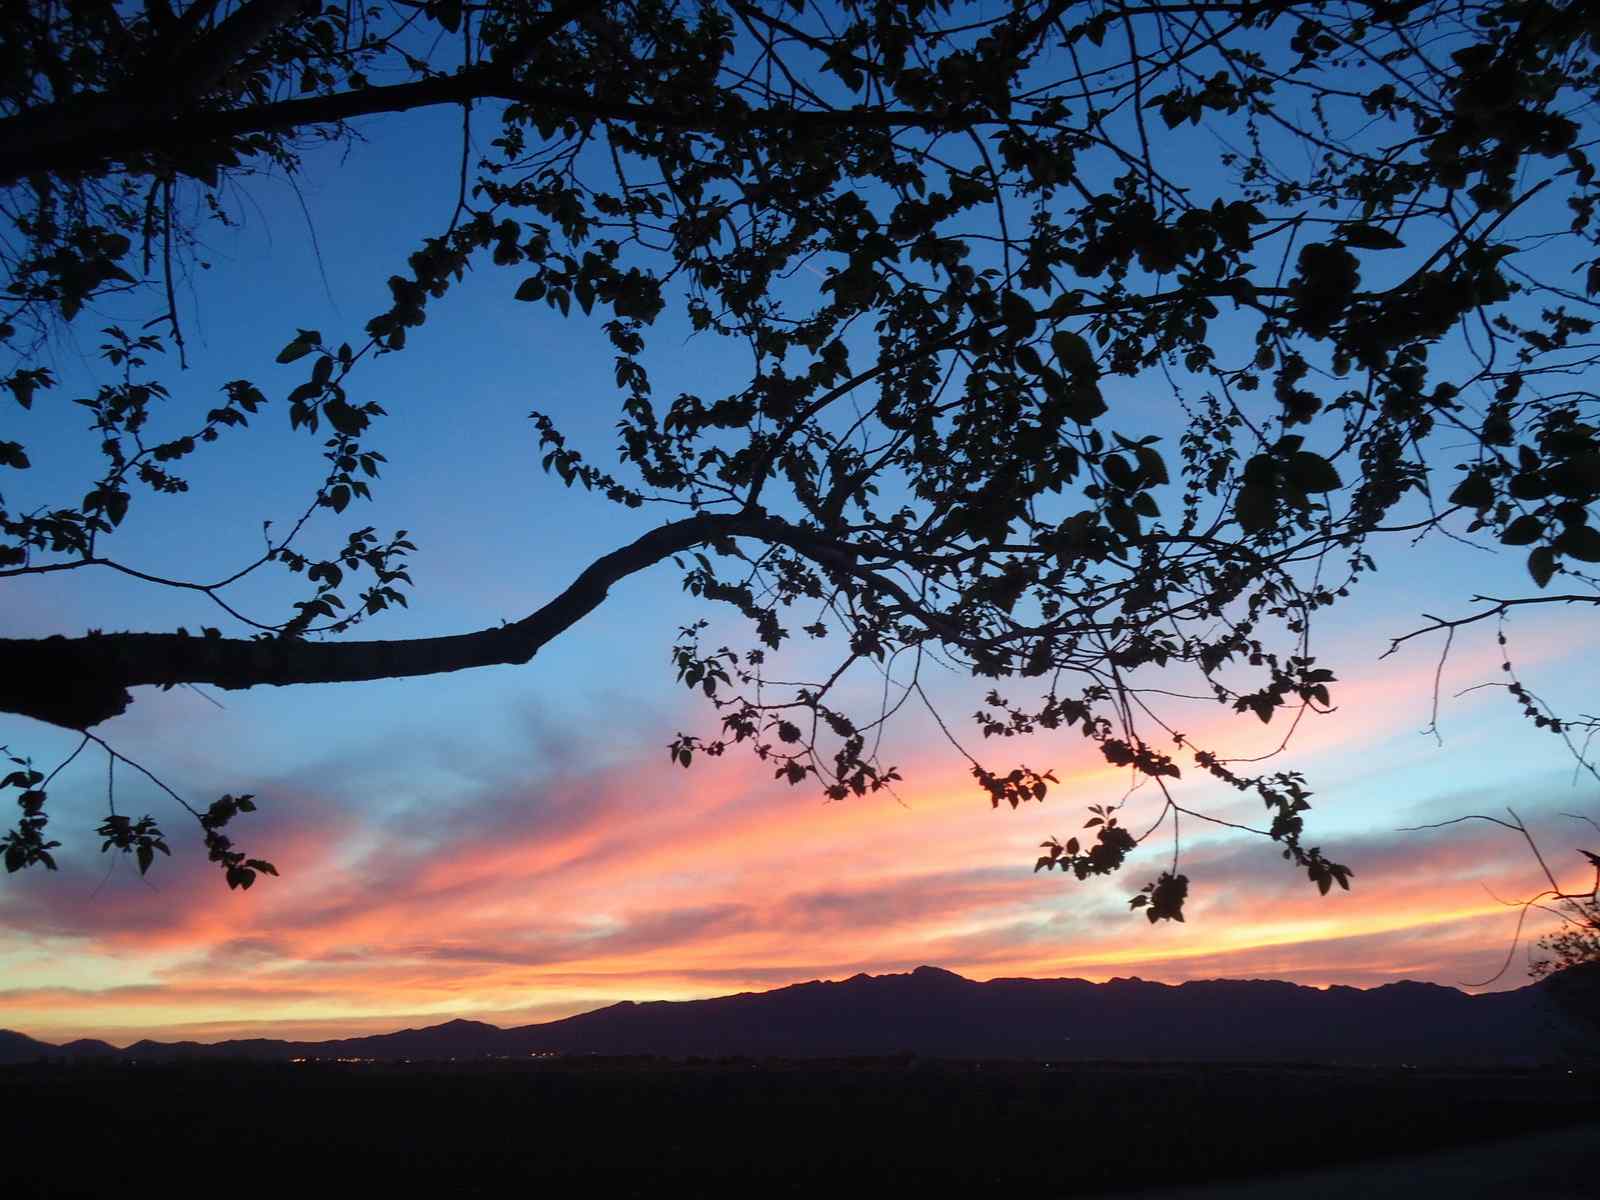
(936, 1013)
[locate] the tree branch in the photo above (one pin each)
(79, 682)
(33, 139)
(57, 138)
(1500, 606)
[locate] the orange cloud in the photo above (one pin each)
(532, 896)
(715, 888)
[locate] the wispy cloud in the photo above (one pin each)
(555, 883)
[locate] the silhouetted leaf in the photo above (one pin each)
(1542, 565)
(1312, 473)
(1525, 529)
(1369, 237)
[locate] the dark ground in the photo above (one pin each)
(656, 1127)
(1559, 1164)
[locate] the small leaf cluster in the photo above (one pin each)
(239, 870)
(141, 838)
(69, 271)
(362, 550)
(25, 846)
(1015, 786)
(1162, 899)
(788, 733)
(1111, 846)
(705, 672)
(1284, 477)
(1298, 676)
(1285, 796)
(122, 415)
(568, 465)
(323, 397)
(1537, 492)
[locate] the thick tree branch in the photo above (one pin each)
(77, 132)
(79, 682)
(113, 128)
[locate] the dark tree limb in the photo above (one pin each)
(111, 128)
(73, 126)
(1499, 607)
(79, 682)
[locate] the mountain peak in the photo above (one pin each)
(934, 1012)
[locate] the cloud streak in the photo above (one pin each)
(536, 892)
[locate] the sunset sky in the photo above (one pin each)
(513, 845)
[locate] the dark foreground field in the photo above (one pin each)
(640, 1127)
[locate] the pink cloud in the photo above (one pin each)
(558, 890)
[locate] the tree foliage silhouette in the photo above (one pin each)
(1372, 305)
(1576, 938)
